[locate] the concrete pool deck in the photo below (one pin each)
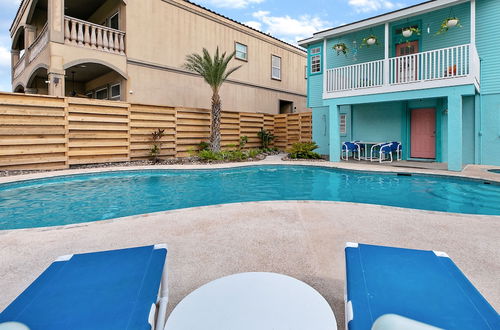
(302, 239)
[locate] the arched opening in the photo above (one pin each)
(37, 84)
(38, 16)
(18, 44)
(94, 80)
(19, 89)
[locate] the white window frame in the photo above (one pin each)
(318, 64)
(275, 67)
(100, 90)
(236, 51)
(343, 124)
(315, 50)
(117, 97)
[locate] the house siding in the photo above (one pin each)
(356, 54)
(315, 81)
(428, 40)
(487, 22)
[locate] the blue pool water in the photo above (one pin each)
(106, 195)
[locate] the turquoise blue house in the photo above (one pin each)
(427, 76)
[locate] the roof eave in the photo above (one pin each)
(396, 15)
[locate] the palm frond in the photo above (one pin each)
(214, 70)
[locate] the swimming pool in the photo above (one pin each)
(106, 195)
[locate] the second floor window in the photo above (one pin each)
(315, 60)
(316, 64)
(276, 67)
(241, 51)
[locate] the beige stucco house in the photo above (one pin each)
(133, 50)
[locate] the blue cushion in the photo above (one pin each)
(416, 284)
(102, 290)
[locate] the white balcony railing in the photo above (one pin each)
(363, 75)
(85, 34)
(441, 64)
(39, 44)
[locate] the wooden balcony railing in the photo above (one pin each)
(441, 64)
(85, 34)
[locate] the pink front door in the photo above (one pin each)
(423, 133)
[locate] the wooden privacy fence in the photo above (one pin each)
(41, 132)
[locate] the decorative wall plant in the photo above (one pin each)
(448, 23)
(370, 41)
(341, 48)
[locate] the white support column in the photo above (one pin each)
(325, 67)
(473, 23)
(386, 54)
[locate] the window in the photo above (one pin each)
(343, 124)
(316, 50)
(114, 21)
(315, 60)
(115, 92)
(102, 94)
(275, 67)
(241, 51)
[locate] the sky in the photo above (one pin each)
(288, 20)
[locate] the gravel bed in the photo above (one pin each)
(170, 161)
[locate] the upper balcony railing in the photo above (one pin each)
(413, 71)
(38, 45)
(19, 66)
(94, 36)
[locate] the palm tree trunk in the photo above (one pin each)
(215, 136)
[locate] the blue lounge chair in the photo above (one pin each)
(119, 289)
(424, 286)
(348, 147)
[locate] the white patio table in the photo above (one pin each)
(368, 145)
(253, 301)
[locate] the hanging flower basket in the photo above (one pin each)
(369, 41)
(340, 48)
(449, 23)
(409, 31)
(452, 22)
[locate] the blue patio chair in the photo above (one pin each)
(348, 147)
(398, 149)
(119, 289)
(424, 286)
(376, 151)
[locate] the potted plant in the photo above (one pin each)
(409, 31)
(370, 41)
(340, 48)
(449, 23)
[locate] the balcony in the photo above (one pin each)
(458, 65)
(89, 35)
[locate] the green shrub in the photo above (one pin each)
(266, 137)
(304, 150)
(208, 155)
(203, 146)
(243, 141)
(252, 153)
(155, 150)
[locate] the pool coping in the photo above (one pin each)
(474, 172)
(203, 207)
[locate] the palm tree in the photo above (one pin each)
(215, 72)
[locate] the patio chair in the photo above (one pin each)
(376, 150)
(424, 286)
(119, 289)
(348, 147)
(398, 149)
